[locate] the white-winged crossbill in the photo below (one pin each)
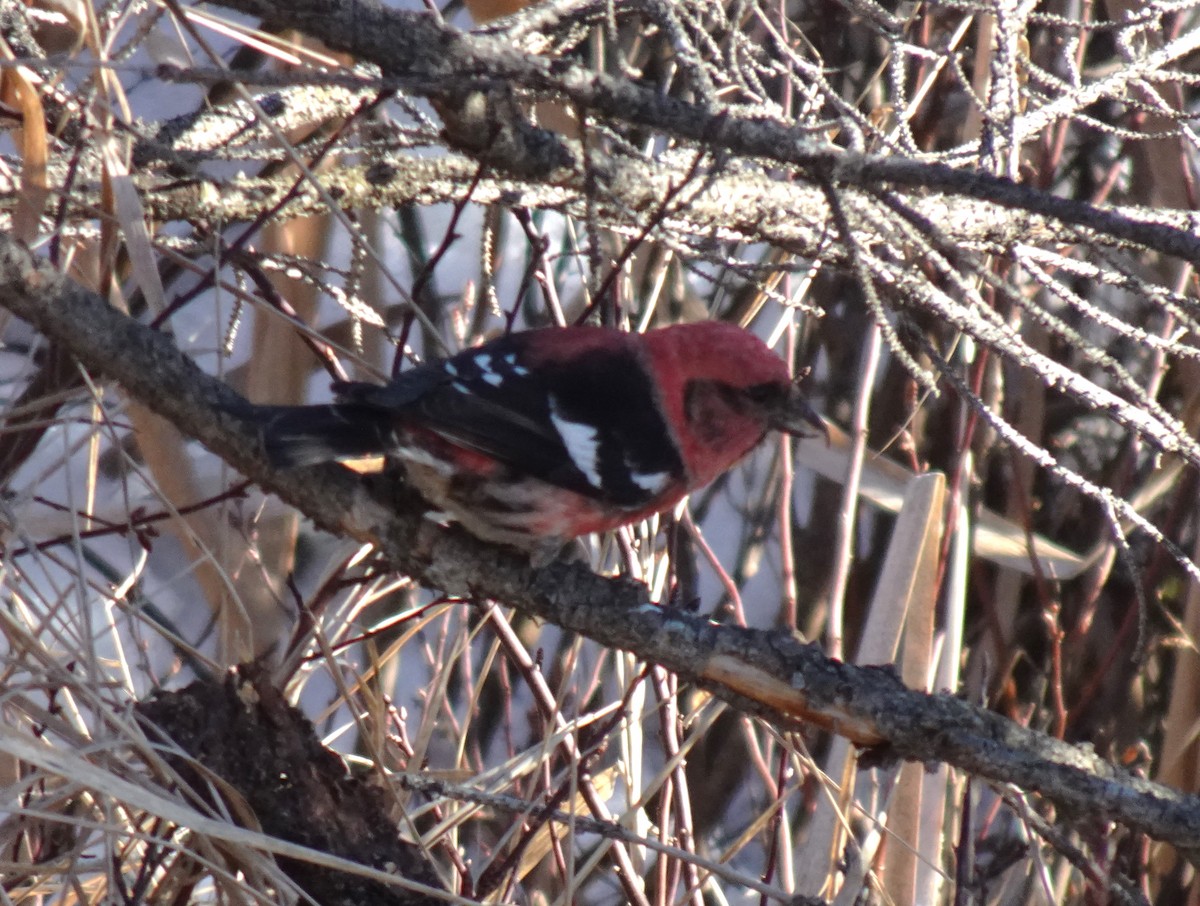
(538, 437)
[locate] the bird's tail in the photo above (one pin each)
(305, 435)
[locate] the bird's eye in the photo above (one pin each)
(765, 394)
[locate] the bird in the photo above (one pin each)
(538, 437)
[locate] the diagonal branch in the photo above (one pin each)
(767, 673)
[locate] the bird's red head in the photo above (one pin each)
(723, 389)
(718, 351)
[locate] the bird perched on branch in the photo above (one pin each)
(538, 437)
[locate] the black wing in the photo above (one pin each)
(589, 423)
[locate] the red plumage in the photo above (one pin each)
(537, 437)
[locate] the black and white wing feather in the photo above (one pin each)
(587, 422)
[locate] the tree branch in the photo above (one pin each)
(767, 673)
(433, 59)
